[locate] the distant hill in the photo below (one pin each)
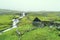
(46, 13)
(43, 13)
(5, 11)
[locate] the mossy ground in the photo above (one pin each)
(25, 27)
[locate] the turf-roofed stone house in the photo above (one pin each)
(38, 23)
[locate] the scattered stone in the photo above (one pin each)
(18, 32)
(51, 26)
(58, 28)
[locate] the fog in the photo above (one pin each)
(30, 5)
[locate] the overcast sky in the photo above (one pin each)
(31, 5)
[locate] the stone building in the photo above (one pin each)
(37, 22)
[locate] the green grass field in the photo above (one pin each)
(25, 27)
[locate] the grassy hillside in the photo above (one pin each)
(27, 30)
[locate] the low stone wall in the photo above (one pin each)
(45, 23)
